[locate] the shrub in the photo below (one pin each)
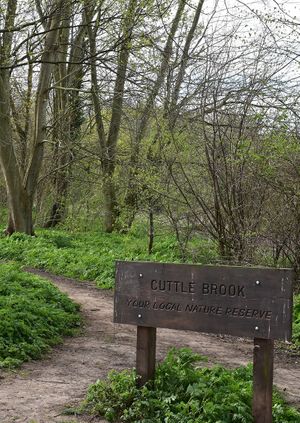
(34, 315)
(181, 393)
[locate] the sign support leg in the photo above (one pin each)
(263, 360)
(145, 354)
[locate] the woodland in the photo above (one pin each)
(186, 112)
(162, 130)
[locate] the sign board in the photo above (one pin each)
(247, 302)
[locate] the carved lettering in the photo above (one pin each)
(219, 311)
(213, 289)
(242, 312)
(138, 303)
(129, 301)
(173, 286)
(227, 299)
(235, 312)
(205, 289)
(222, 289)
(167, 306)
(241, 291)
(248, 313)
(269, 315)
(154, 285)
(230, 290)
(200, 308)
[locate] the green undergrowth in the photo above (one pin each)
(34, 315)
(91, 256)
(296, 321)
(182, 393)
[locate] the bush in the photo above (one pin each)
(34, 315)
(85, 256)
(296, 320)
(92, 255)
(181, 393)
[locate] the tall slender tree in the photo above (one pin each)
(107, 142)
(21, 183)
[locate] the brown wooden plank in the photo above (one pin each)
(263, 359)
(249, 302)
(145, 354)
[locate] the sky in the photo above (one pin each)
(252, 11)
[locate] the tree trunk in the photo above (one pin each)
(21, 191)
(108, 143)
(131, 199)
(110, 204)
(22, 212)
(67, 112)
(151, 230)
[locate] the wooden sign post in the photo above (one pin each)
(263, 358)
(145, 354)
(247, 302)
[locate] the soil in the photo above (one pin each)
(41, 391)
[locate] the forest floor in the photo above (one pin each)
(41, 391)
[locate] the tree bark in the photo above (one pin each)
(19, 202)
(108, 144)
(67, 114)
(21, 191)
(132, 191)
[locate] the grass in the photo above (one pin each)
(34, 315)
(296, 320)
(91, 255)
(181, 393)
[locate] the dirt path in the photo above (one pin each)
(41, 390)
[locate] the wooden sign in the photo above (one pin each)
(247, 302)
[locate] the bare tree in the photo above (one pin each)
(67, 114)
(21, 183)
(147, 110)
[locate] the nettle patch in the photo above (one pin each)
(34, 315)
(183, 392)
(92, 255)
